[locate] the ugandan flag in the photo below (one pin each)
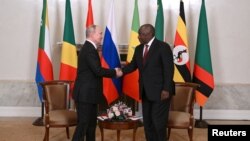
(159, 22)
(130, 81)
(203, 72)
(69, 52)
(90, 19)
(180, 51)
(44, 70)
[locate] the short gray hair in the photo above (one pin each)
(90, 29)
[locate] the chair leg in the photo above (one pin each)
(67, 131)
(46, 135)
(190, 133)
(169, 131)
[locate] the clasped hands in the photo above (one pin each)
(119, 72)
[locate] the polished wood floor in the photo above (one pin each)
(21, 129)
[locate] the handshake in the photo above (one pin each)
(119, 72)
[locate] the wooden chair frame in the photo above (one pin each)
(70, 116)
(182, 106)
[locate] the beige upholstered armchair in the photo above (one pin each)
(181, 110)
(57, 113)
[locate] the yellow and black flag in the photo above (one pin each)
(181, 51)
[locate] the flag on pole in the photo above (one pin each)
(203, 72)
(159, 22)
(90, 19)
(130, 81)
(180, 51)
(110, 58)
(69, 53)
(44, 69)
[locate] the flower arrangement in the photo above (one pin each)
(119, 111)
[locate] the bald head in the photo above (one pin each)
(146, 33)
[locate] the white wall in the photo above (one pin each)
(228, 23)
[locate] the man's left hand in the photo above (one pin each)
(164, 95)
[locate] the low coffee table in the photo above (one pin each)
(119, 125)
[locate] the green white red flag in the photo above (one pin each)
(44, 69)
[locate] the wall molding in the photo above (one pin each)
(223, 114)
(20, 111)
(207, 114)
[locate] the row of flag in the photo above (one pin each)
(203, 72)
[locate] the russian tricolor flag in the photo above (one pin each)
(111, 59)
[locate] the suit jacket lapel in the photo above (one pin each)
(140, 53)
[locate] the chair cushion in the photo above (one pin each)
(179, 119)
(62, 117)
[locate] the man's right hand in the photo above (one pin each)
(119, 72)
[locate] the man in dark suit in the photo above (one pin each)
(87, 91)
(154, 59)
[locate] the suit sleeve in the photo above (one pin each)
(168, 68)
(93, 61)
(130, 67)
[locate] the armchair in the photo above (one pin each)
(181, 110)
(57, 113)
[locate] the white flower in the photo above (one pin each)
(110, 115)
(115, 108)
(125, 110)
(117, 113)
(130, 113)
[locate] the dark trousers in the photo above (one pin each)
(155, 117)
(86, 124)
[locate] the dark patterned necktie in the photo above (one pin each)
(145, 54)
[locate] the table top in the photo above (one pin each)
(119, 125)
